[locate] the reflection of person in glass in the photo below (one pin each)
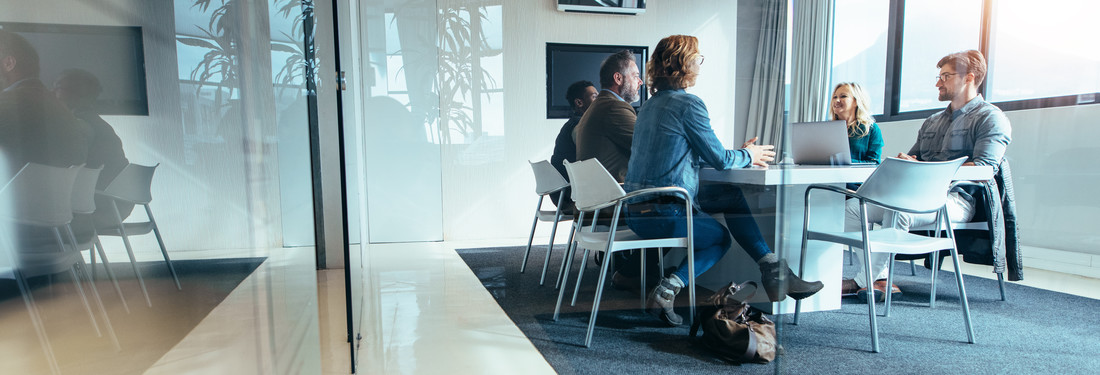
(579, 95)
(34, 126)
(851, 104)
(78, 89)
(671, 136)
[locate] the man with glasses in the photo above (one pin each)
(969, 127)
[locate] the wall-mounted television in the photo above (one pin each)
(568, 63)
(114, 54)
(602, 6)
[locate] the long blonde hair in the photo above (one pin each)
(862, 124)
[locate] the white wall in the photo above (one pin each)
(1053, 156)
(488, 187)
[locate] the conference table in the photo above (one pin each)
(777, 196)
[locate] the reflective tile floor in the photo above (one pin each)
(421, 311)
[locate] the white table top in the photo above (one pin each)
(817, 174)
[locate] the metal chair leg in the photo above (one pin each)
(569, 245)
(531, 238)
(962, 297)
(567, 263)
(550, 248)
(912, 268)
(163, 249)
(1001, 284)
(580, 276)
(596, 302)
(130, 253)
(102, 255)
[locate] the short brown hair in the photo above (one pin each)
(668, 67)
(969, 61)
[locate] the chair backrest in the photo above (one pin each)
(547, 179)
(39, 195)
(84, 190)
(915, 186)
(133, 184)
(593, 186)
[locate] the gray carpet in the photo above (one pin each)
(1034, 332)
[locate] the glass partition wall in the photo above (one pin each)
(198, 104)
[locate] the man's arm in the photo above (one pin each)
(992, 135)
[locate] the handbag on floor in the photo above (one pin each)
(732, 329)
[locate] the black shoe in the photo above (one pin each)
(795, 286)
(661, 302)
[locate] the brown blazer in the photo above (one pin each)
(605, 132)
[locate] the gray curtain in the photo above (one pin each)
(765, 117)
(811, 60)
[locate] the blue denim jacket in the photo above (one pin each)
(671, 138)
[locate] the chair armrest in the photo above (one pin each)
(846, 192)
(667, 190)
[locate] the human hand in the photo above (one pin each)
(903, 156)
(761, 154)
(749, 142)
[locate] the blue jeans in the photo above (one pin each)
(665, 218)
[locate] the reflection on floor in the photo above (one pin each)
(217, 322)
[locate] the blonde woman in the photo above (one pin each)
(851, 104)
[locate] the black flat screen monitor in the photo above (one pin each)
(114, 54)
(568, 63)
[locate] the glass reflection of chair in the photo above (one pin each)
(134, 185)
(547, 181)
(594, 190)
(904, 186)
(39, 197)
(83, 203)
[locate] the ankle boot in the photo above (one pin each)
(662, 300)
(792, 285)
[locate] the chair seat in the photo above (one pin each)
(131, 229)
(887, 240)
(625, 239)
(45, 263)
(549, 216)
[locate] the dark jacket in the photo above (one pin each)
(605, 132)
(1000, 247)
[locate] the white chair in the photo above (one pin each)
(134, 185)
(905, 186)
(982, 225)
(40, 197)
(83, 203)
(593, 190)
(547, 181)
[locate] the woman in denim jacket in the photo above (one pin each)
(672, 139)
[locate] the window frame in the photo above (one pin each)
(892, 96)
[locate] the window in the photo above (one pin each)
(859, 51)
(1039, 54)
(1040, 50)
(933, 28)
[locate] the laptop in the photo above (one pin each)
(821, 143)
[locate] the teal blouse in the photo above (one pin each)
(867, 148)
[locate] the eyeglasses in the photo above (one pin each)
(944, 76)
(699, 60)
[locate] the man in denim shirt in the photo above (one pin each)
(969, 127)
